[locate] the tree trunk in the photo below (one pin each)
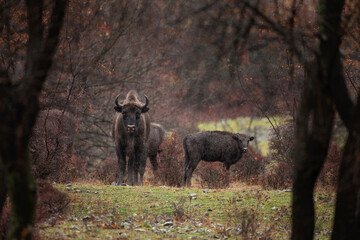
(22, 193)
(3, 187)
(18, 110)
(329, 73)
(312, 144)
(347, 212)
(19, 182)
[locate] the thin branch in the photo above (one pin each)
(279, 29)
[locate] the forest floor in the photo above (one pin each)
(146, 212)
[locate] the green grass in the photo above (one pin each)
(124, 212)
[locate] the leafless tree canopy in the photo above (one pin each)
(197, 61)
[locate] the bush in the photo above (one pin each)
(51, 147)
(213, 175)
(249, 168)
(277, 176)
(282, 143)
(171, 162)
(279, 172)
(108, 171)
(50, 201)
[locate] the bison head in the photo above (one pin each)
(131, 113)
(243, 141)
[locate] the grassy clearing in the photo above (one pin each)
(114, 212)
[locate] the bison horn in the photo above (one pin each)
(116, 101)
(147, 101)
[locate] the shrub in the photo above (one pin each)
(282, 143)
(179, 209)
(279, 172)
(246, 219)
(108, 171)
(213, 175)
(51, 147)
(249, 168)
(50, 201)
(171, 161)
(277, 176)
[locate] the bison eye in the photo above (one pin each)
(137, 115)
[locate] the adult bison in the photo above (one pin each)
(157, 133)
(131, 133)
(213, 146)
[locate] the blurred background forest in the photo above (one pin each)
(203, 64)
(198, 62)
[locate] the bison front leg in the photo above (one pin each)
(121, 155)
(132, 180)
(141, 164)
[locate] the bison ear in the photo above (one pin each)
(251, 138)
(118, 109)
(144, 109)
(235, 137)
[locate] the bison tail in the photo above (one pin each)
(185, 149)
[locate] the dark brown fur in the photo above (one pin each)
(213, 146)
(157, 133)
(131, 144)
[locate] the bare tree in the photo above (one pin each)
(19, 105)
(316, 46)
(324, 93)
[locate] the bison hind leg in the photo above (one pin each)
(191, 162)
(154, 162)
(155, 167)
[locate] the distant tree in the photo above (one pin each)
(35, 46)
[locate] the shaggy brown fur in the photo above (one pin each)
(132, 97)
(213, 146)
(131, 133)
(157, 134)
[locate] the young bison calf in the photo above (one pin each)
(213, 146)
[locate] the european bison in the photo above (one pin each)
(156, 137)
(131, 133)
(213, 146)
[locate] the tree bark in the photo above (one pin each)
(347, 212)
(328, 80)
(312, 143)
(3, 187)
(22, 193)
(18, 110)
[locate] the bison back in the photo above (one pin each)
(212, 146)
